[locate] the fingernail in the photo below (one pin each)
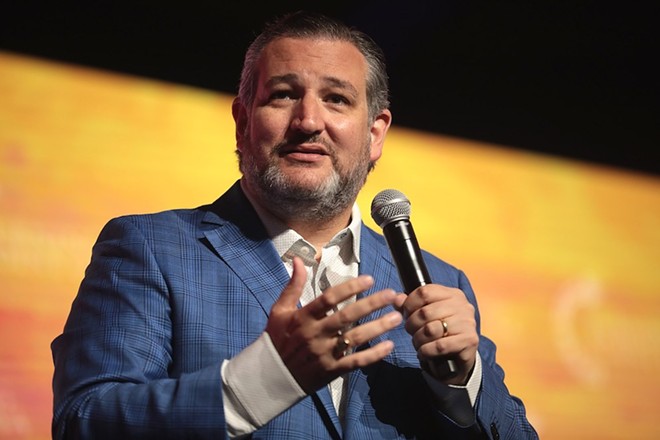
(367, 279)
(395, 317)
(389, 294)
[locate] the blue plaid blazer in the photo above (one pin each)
(168, 296)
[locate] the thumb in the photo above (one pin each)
(293, 290)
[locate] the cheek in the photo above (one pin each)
(267, 126)
(261, 137)
(355, 137)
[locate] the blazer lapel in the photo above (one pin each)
(375, 260)
(233, 230)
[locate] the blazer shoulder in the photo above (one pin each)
(173, 219)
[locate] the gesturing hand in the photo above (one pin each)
(307, 338)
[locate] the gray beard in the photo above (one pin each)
(324, 202)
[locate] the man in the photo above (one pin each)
(272, 312)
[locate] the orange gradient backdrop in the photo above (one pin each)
(564, 256)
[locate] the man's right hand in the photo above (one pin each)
(307, 338)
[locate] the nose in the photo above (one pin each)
(308, 116)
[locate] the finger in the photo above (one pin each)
(314, 375)
(366, 332)
(443, 324)
(432, 340)
(421, 317)
(292, 292)
(440, 305)
(335, 295)
(425, 295)
(361, 308)
(432, 331)
(400, 299)
(364, 358)
(460, 347)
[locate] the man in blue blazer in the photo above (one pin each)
(272, 312)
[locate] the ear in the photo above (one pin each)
(378, 132)
(240, 114)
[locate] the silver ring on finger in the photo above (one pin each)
(343, 346)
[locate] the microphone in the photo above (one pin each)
(390, 209)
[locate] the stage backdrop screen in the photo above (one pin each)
(564, 256)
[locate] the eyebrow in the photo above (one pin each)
(332, 80)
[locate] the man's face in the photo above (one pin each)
(307, 140)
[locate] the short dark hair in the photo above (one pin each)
(304, 24)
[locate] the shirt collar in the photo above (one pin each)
(283, 237)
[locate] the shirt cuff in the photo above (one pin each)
(256, 387)
(472, 386)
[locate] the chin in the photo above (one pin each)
(306, 179)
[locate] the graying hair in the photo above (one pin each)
(312, 25)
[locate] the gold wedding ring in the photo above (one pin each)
(445, 328)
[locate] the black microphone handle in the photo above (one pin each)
(413, 273)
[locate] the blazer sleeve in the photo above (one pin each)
(500, 414)
(112, 360)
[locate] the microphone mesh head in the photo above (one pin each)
(389, 205)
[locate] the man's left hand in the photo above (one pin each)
(443, 326)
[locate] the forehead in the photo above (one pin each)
(312, 59)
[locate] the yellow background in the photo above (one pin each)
(563, 255)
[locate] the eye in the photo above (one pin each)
(280, 94)
(337, 99)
